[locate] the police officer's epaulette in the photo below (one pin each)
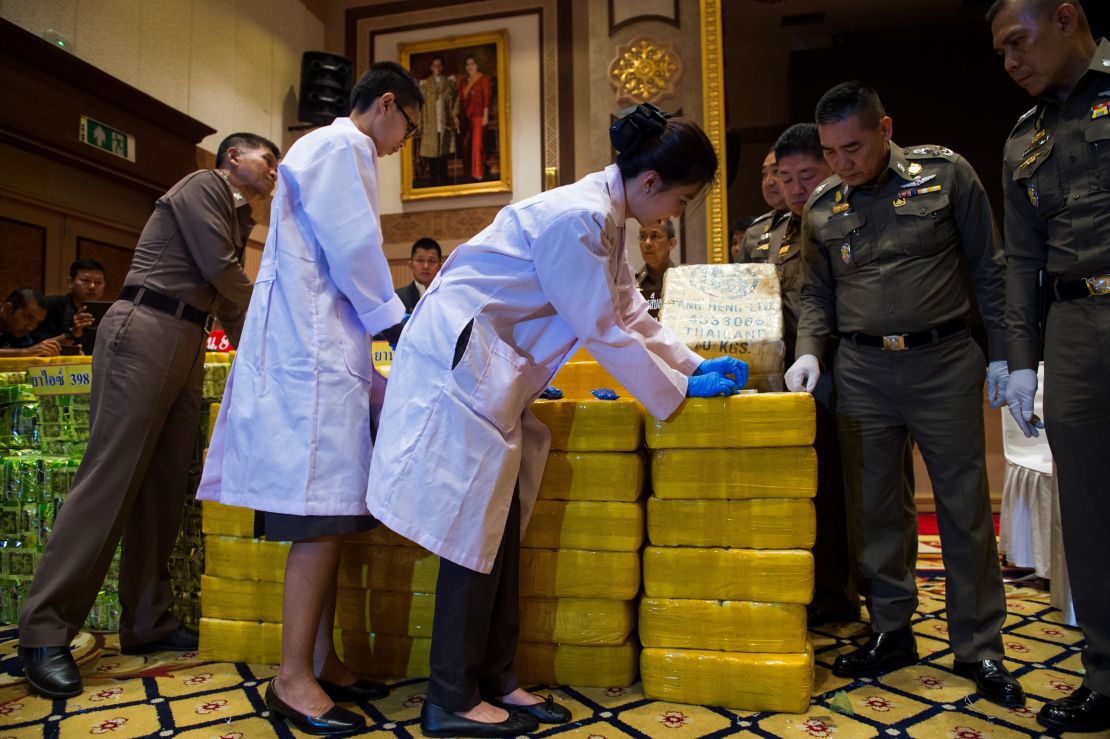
(1024, 117)
(832, 183)
(930, 151)
(764, 217)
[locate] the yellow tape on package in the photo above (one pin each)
(384, 655)
(761, 523)
(725, 626)
(245, 559)
(385, 612)
(254, 642)
(737, 422)
(592, 425)
(400, 569)
(217, 519)
(577, 379)
(579, 573)
(565, 664)
(779, 472)
(240, 600)
(576, 621)
(576, 524)
(770, 575)
(593, 476)
(746, 682)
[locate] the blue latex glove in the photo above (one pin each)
(725, 365)
(604, 393)
(1020, 392)
(998, 376)
(710, 385)
(552, 393)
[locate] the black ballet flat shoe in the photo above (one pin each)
(51, 671)
(992, 681)
(436, 721)
(359, 690)
(335, 721)
(546, 712)
(181, 639)
(1084, 710)
(883, 652)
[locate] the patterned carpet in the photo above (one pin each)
(177, 695)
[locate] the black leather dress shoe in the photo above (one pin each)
(51, 671)
(1083, 710)
(546, 712)
(883, 652)
(992, 681)
(181, 639)
(336, 721)
(436, 721)
(359, 690)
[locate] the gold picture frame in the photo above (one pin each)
(440, 160)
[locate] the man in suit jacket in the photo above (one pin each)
(424, 263)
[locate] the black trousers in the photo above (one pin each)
(1077, 420)
(476, 626)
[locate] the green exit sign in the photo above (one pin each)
(106, 138)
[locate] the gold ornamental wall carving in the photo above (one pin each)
(712, 68)
(645, 70)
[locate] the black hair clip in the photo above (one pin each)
(636, 125)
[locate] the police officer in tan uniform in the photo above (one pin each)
(883, 244)
(756, 247)
(148, 370)
(1056, 178)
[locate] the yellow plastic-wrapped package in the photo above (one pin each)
(759, 523)
(254, 642)
(599, 525)
(577, 379)
(240, 600)
(401, 569)
(592, 425)
(737, 680)
(777, 472)
(213, 412)
(770, 575)
(384, 655)
(737, 422)
(581, 621)
(588, 667)
(385, 612)
(579, 573)
(218, 519)
(593, 476)
(245, 559)
(727, 626)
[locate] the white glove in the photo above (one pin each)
(803, 374)
(1020, 392)
(998, 375)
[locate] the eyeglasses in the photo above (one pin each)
(410, 126)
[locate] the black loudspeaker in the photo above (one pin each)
(326, 81)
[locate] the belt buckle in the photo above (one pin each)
(209, 322)
(1098, 285)
(895, 343)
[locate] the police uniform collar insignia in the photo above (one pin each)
(914, 169)
(840, 208)
(237, 196)
(1029, 160)
(838, 196)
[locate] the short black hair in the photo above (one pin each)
(848, 99)
(682, 155)
(1039, 7)
(83, 265)
(801, 138)
(383, 77)
(21, 297)
(425, 242)
(244, 140)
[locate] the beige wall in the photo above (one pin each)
(232, 65)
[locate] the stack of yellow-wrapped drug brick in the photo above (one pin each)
(728, 571)
(580, 561)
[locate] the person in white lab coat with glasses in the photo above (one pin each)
(507, 310)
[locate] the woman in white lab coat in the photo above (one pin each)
(293, 437)
(461, 469)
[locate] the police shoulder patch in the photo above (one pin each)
(830, 184)
(764, 217)
(930, 152)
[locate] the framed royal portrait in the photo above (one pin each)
(462, 145)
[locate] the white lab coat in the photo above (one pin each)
(548, 275)
(293, 433)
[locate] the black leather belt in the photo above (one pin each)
(165, 304)
(1084, 287)
(902, 342)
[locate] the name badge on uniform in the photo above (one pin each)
(846, 252)
(1034, 196)
(1100, 109)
